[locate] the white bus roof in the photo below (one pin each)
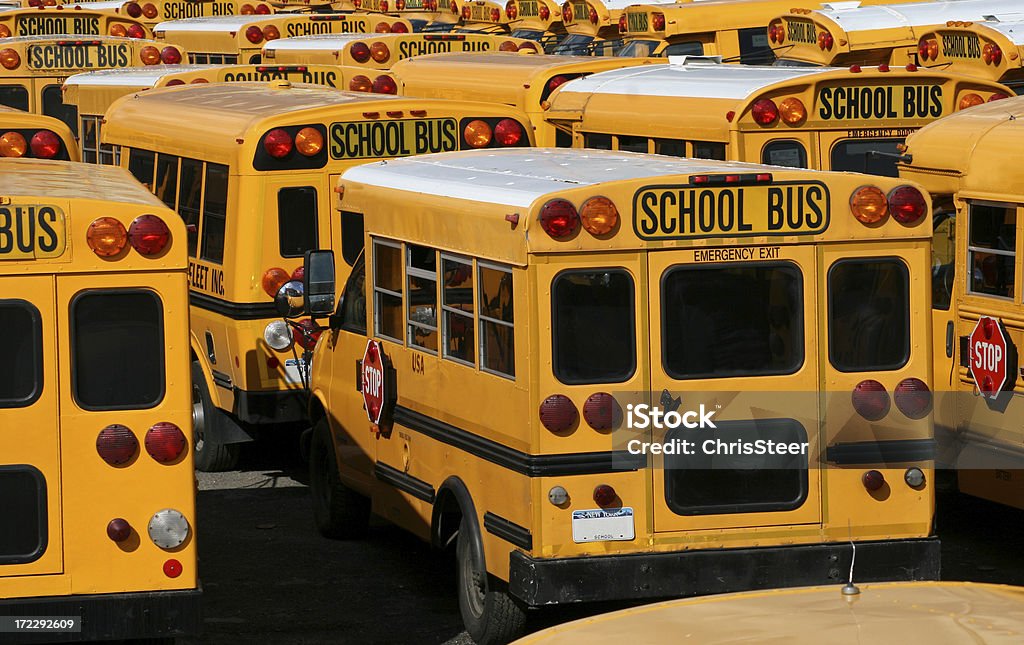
(1012, 29)
(141, 76)
(706, 80)
(519, 177)
(326, 42)
(216, 23)
(918, 14)
(98, 6)
(68, 180)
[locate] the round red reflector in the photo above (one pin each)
(136, 31)
(605, 495)
(511, 10)
(360, 83)
(273, 362)
(172, 568)
(170, 55)
(872, 480)
(308, 339)
(254, 34)
(622, 24)
(495, 15)
(148, 235)
(555, 82)
(913, 398)
(165, 442)
(116, 444)
(559, 219)
(870, 400)
(175, 81)
(765, 112)
(262, 10)
(658, 21)
(149, 10)
(44, 145)
(133, 9)
(543, 12)
(508, 132)
(299, 273)
(600, 411)
(998, 96)
(360, 52)
(399, 28)
(385, 85)
(119, 530)
(907, 205)
(278, 143)
(566, 12)
(557, 413)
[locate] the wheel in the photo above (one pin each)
(209, 457)
(490, 614)
(340, 513)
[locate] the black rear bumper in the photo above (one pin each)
(695, 573)
(157, 614)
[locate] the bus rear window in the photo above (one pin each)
(23, 536)
(593, 328)
(14, 96)
(732, 321)
(21, 380)
(215, 204)
(296, 221)
(117, 349)
(869, 314)
(53, 105)
(991, 249)
(853, 156)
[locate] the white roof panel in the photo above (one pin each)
(213, 23)
(520, 176)
(918, 14)
(325, 42)
(140, 76)
(1012, 29)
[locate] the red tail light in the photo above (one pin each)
(557, 413)
(278, 143)
(543, 12)
(383, 6)
(380, 52)
(508, 132)
(270, 32)
(495, 15)
(922, 49)
(599, 410)
(870, 400)
(907, 205)
(148, 235)
(566, 12)
(555, 82)
(991, 54)
(165, 442)
(605, 495)
(116, 444)
(299, 273)
(913, 398)
(454, 6)
(360, 52)
(511, 10)
(592, 14)
(559, 219)
(765, 112)
(133, 9)
(998, 96)
(385, 85)
(10, 59)
(45, 145)
(170, 55)
(466, 13)
(658, 21)
(399, 28)
(307, 341)
(360, 83)
(174, 81)
(149, 10)
(400, 5)
(262, 10)
(825, 40)
(622, 24)
(136, 31)
(254, 34)
(119, 530)
(773, 32)
(872, 480)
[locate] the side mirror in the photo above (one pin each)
(289, 302)
(318, 283)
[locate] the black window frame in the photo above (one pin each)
(209, 252)
(42, 528)
(37, 322)
(865, 169)
(874, 259)
(287, 221)
(973, 248)
(344, 322)
(771, 146)
(67, 113)
(12, 90)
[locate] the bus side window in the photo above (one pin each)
(785, 153)
(141, 164)
(21, 382)
(693, 48)
(14, 96)
(457, 305)
(215, 202)
(602, 302)
(497, 341)
(943, 254)
(296, 221)
(190, 202)
(709, 150)
(672, 147)
(165, 185)
(351, 236)
(991, 250)
(421, 273)
(632, 144)
(353, 301)
(53, 105)
(754, 47)
(387, 290)
(597, 141)
(868, 314)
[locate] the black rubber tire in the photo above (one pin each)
(489, 613)
(339, 512)
(209, 457)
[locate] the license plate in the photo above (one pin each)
(32, 232)
(600, 525)
(296, 371)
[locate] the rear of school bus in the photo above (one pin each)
(98, 487)
(976, 292)
(34, 136)
(423, 15)
(295, 141)
(990, 50)
(592, 26)
(151, 12)
(749, 301)
(537, 20)
(827, 119)
(523, 81)
(81, 21)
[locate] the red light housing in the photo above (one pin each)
(299, 273)
(278, 143)
(555, 82)
(360, 83)
(765, 112)
(559, 219)
(466, 14)
(44, 145)
(172, 568)
(170, 55)
(385, 85)
(116, 444)
(262, 10)
(399, 28)
(133, 9)
(254, 34)
(605, 495)
(557, 413)
(136, 31)
(400, 5)
(119, 530)
(622, 24)
(913, 398)
(922, 49)
(511, 10)
(508, 132)
(165, 442)
(872, 480)
(495, 15)
(149, 10)
(825, 40)
(543, 12)
(870, 400)
(599, 411)
(307, 341)
(907, 205)
(566, 12)
(998, 96)
(148, 235)
(360, 52)
(658, 21)
(592, 14)
(175, 81)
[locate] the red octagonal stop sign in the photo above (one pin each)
(989, 356)
(373, 374)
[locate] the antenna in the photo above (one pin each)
(850, 589)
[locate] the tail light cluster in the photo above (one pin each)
(430, 5)
(259, 9)
(383, 84)
(561, 221)
(493, 133)
(147, 234)
(131, 31)
(912, 396)
(275, 278)
(37, 144)
(400, 5)
(543, 12)
(169, 55)
(623, 25)
(928, 49)
(825, 40)
(592, 14)
(566, 13)
(601, 412)
(511, 9)
(511, 46)
(658, 22)
(766, 112)
(376, 51)
(776, 32)
(117, 445)
(279, 337)
(42, 3)
(991, 54)
(971, 99)
(292, 147)
(256, 35)
(869, 205)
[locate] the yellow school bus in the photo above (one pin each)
(736, 30)
(151, 12)
(990, 49)
(239, 39)
(423, 15)
(32, 68)
(825, 119)
(537, 344)
(295, 141)
(593, 26)
(92, 93)
(523, 81)
(843, 35)
(976, 294)
(538, 20)
(34, 136)
(381, 51)
(49, 21)
(486, 16)
(99, 495)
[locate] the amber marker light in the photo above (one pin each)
(106, 237)
(792, 111)
(309, 142)
(13, 144)
(599, 216)
(869, 205)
